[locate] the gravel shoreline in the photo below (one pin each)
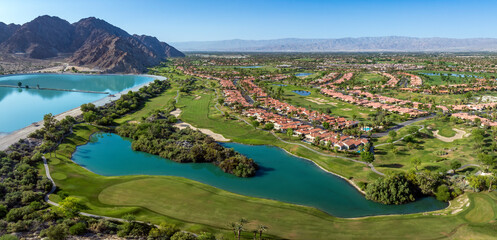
(7, 139)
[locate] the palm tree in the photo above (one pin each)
(239, 229)
(239, 226)
(232, 225)
(255, 233)
(261, 229)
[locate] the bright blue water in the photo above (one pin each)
(302, 74)
(21, 107)
(280, 85)
(302, 93)
(250, 67)
(366, 129)
(281, 177)
(452, 74)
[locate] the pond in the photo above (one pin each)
(302, 74)
(452, 74)
(281, 177)
(250, 66)
(21, 107)
(302, 92)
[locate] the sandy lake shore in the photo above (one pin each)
(8, 139)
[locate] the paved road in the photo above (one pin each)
(401, 125)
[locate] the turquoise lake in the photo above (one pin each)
(250, 66)
(281, 177)
(302, 74)
(302, 92)
(21, 107)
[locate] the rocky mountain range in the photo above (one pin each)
(363, 44)
(90, 42)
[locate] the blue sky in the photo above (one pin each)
(199, 20)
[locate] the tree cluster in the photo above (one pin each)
(127, 103)
(160, 138)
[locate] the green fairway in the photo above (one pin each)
(369, 78)
(433, 153)
(319, 102)
(160, 102)
(200, 112)
(444, 99)
(198, 207)
(480, 213)
(461, 77)
(446, 132)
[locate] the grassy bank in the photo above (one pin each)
(198, 207)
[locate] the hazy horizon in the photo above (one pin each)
(184, 21)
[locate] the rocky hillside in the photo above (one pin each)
(90, 42)
(6, 31)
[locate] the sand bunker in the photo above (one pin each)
(320, 101)
(459, 135)
(182, 125)
(176, 112)
(216, 136)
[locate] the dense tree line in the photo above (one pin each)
(406, 187)
(23, 210)
(157, 136)
(127, 103)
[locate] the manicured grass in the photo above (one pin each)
(319, 102)
(437, 79)
(201, 113)
(445, 99)
(446, 132)
(160, 102)
(433, 153)
(479, 212)
(199, 207)
(369, 78)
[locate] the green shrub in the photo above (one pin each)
(183, 236)
(56, 232)
(78, 229)
(8, 237)
(206, 236)
(393, 189)
(3, 211)
(443, 193)
(362, 185)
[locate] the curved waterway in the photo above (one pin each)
(281, 177)
(21, 107)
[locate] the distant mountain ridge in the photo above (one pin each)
(91, 42)
(362, 44)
